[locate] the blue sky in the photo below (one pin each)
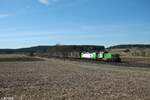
(25, 23)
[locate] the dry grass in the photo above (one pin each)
(17, 58)
(69, 80)
(11, 55)
(144, 52)
(135, 55)
(144, 60)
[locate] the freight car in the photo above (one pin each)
(102, 56)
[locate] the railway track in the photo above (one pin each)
(125, 64)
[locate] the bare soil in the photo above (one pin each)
(55, 79)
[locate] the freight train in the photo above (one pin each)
(102, 56)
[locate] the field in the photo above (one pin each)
(134, 55)
(18, 58)
(54, 79)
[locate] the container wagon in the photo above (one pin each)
(102, 56)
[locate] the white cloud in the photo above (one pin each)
(45, 2)
(5, 15)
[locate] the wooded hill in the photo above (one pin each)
(131, 50)
(130, 46)
(53, 49)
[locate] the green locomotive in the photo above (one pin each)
(102, 56)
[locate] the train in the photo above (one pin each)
(102, 56)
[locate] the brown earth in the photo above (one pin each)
(55, 79)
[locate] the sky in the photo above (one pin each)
(25, 23)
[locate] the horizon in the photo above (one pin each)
(26, 23)
(72, 45)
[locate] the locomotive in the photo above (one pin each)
(102, 56)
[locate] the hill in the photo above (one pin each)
(131, 50)
(25, 50)
(57, 50)
(130, 46)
